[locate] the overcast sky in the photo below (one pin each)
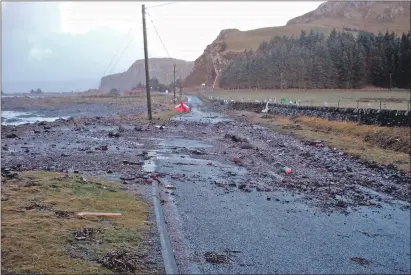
(76, 40)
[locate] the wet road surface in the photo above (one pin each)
(275, 232)
(229, 217)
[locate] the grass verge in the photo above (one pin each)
(383, 145)
(39, 226)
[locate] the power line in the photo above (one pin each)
(161, 40)
(121, 54)
(115, 54)
(160, 5)
(129, 31)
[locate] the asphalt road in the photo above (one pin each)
(333, 214)
(267, 232)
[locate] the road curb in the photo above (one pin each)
(170, 264)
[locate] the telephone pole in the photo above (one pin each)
(181, 87)
(281, 81)
(150, 117)
(390, 82)
(174, 82)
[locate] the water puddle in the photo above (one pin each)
(103, 128)
(150, 164)
(184, 143)
(197, 115)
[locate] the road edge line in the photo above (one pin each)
(170, 264)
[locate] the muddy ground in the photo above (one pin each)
(234, 209)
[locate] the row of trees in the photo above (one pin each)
(155, 86)
(311, 60)
(38, 91)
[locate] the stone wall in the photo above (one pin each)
(363, 116)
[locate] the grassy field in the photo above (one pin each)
(395, 99)
(39, 225)
(383, 145)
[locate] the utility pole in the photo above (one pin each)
(390, 81)
(150, 117)
(181, 87)
(174, 82)
(281, 81)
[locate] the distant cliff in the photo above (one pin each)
(160, 68)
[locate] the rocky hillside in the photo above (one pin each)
(160, 68)
(349, 15)
(373, 16)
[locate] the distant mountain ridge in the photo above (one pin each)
(160, 68)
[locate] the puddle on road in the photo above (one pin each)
(293, 230)
(184, 143)
(196, 115)
(103, 128)
(199, 116)
(150, 164)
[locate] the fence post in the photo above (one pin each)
(380, 104)
(357, 103)
(311, 103)
(338, 106)
(408, 105)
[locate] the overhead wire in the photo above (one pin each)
(129, 42)
(115, 54)
(122, 52)
(160, 5)
(161, 40)
(128, 33)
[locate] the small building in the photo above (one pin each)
(134, 92)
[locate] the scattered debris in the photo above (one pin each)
(114, 135)
(182, 163)
(316, 143)
(170, 187)
(367, 203)
(233, 138)
(12, 135)
(127, 178)
(236, 160)
(216, 258)
(361, 261)
(102, 148)
(246, 146)
(64, 214)
(198, 152)
(8, 173)
(128, 162)
(82, 234)
(120, 261)
(98, 214)
(287, 170)
(121, 128)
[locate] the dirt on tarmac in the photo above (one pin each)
(230, 178)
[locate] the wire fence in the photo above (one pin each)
(356, 104)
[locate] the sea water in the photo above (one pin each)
(18, 118)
